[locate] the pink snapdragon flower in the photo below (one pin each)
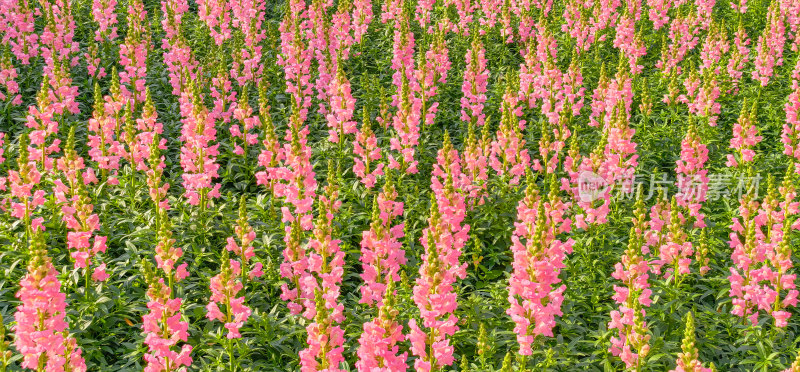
(342, 107)
(745, 137)
(378, 348)
(8, 74)
(790, 135)
(407, 118)
(769, 50)
(692, 176)
(632, 343)
(217, 16)
(362, 17)
(40, 334)
(443, 239)
(534, 290)
(242, 244)
(509, 157)
(326, 262)
(163, 325)
(242, 135)
(76, 206)
(224, 288)
(365, 146)
(105, 15)
(198, 154)
(382, 253)
(688, 359)
(474, 87)
(133, 54)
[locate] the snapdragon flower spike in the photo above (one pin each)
(781, 222)
(92, 57)
(105, 15)
(406, 119)
(216, 14)
(182, 66)
(147, 128)
(19, 30)
(745, 137)
(242, 244)
(56, 41)
(248, 17)
(769, 50)
(749, 253)
(378, 348)
(443, 239)
(224, 289)
(155, 171)
(22, 183)
(430, 73)
(688, 360)
(198, 154)
(76, 207)
(133, 54)
(295, 56)
(790, 135)
(41, 120)
(296, 185)
(683, 37)
(534, 293)
(382, 254)
(223, 93)
(318, 32)
(164, 327)
(476, 161)
(326, 262)
(40, 334)
(8, 74)
(474, 87)
(271, 154)
(365, 146)
(631, 344)
(361, 17)
(692, 176)
(341, 33)
(739, 58)
(242, 136)
(103, 144)
(675, 251)
(167, 254)
(509, 157)
(342, 107)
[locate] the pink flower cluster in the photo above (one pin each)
(443, 239)
(692, 176)
(77, 209)
(632, 341)
(133, 54)
(406, 121)
(745, 137)
(217, 16)
(378, 345)
(761, 256)
(476, 80)
(326, 262)
(790, 136)
(534, 293)
(198, 155)
(382, 253)
(7, 75)
(243, 137)
(242, 244)
(224, 288)
(769, 50)
(105, 15)
(509, 157)
(342, 106)
(365, 146)
(40, 334)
